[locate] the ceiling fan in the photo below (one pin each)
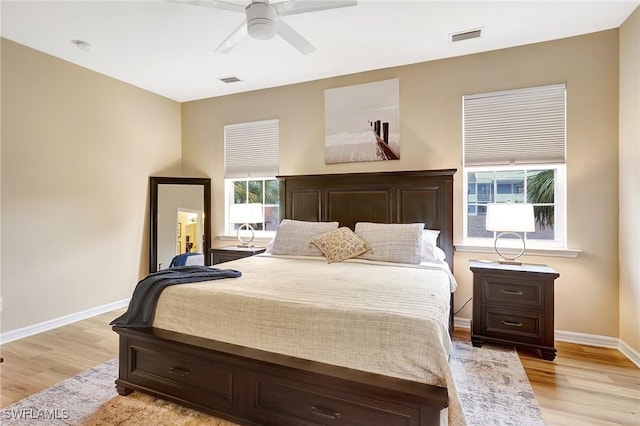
(263, 20)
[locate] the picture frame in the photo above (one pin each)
(179, 230)
(362, 122)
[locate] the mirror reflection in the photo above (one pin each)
(179, 222)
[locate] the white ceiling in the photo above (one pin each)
(168, 48)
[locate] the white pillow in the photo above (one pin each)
(430, 251)
(392, 242)
(441, 256)
(293, 237)
(269, 248)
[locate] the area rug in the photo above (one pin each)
(491, 381)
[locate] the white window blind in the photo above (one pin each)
(251, 149)
(522, 126)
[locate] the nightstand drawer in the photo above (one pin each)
(507, 323)
(227, 254)
(221, 257)
(503, 291)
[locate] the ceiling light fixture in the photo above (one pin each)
(261, 21)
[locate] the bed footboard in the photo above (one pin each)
(253, 387)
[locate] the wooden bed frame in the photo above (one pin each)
(253, 387)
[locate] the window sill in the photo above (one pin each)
(550, 252)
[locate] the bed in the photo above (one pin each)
(241, 378)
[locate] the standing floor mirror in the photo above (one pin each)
(180, 221)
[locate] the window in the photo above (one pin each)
(262, 191)
(251, 164)
(532, 184)
(514, 151)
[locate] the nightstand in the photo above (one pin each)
(229, 253)
(513, 304)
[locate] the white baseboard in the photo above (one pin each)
(20, 333)
(630, 353)
(601, 342)
(464, 323)
(579, 338)
(587, 339)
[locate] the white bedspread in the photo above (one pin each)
(383, 318)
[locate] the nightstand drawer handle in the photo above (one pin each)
(326, 413)
(512, 324)
(183, 372)
(517, 293)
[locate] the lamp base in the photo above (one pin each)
(247, 245)
(509, 262)
(505, 260)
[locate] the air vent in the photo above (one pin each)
(82, 45)
(467, 35)
(229, 79)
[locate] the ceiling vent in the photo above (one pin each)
(229, 79)
(466, 35)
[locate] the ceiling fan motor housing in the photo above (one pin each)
(261, 20)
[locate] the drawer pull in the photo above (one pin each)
(516, 293)
(512, 324)
(183, 372)
(325, 413)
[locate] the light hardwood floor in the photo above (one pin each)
(583, 386)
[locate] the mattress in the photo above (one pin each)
(384, 318)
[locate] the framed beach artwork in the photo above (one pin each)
(362, 122)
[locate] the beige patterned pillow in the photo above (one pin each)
(340, 244)
(293, 237)
(392, 242)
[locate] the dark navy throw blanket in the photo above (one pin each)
(181, 259)
(142, 306)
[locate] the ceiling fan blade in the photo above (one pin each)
(236, 35)
(215, 4)
(294, 38)
(293, 7)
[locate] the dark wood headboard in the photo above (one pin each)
(384, 197)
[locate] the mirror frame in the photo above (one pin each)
(154, 182)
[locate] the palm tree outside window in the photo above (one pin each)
(265, 191)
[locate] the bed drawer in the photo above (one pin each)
(209, 383)
(281, 402)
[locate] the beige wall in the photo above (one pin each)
(77, 152)
(630, 181)
(78, 147)
(430, 131)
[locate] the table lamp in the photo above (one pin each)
(245, 214)
(510, 219)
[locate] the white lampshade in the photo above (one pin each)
(245, 213)
(510, 217)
